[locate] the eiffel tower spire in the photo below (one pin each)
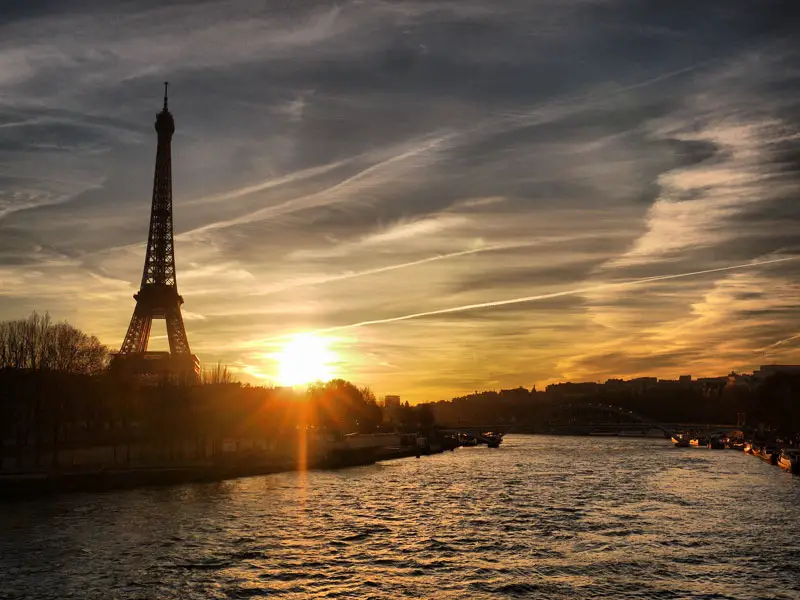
(158, 296)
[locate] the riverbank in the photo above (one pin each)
(23, 485)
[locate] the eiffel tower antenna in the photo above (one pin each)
(158, 296)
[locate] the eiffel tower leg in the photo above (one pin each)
(138, 333)
(176, 333)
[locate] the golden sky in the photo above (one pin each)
(450, 195)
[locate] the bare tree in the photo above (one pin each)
(217, 374)
(36, 343)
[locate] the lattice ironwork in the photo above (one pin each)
(158, 296)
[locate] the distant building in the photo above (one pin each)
(642, 384)
(685, 379)
(391, 405)
(572, 390)
(765, 371)
(712, 386)
(742, 380)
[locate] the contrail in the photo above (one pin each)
(781, 342)
(387, 268)
(267, 184)
(405, 265)
(524, 299)
(327, 195)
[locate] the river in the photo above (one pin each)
(540, 517)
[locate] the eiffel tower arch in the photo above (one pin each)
(158, 296)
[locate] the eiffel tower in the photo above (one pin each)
(158, 296)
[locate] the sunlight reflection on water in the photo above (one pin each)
(541, 517)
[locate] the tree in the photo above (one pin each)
(38, 344)
(217, 375)
(424, 416)
(41, 359)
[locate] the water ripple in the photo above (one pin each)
(540, 518)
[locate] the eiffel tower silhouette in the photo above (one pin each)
(158, 296)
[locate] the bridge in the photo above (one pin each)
(602, 418)
(585, 418)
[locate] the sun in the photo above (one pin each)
(304, 359)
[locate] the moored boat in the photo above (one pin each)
(716, 442)
(789, 459)
(466, 439)
(768, 454)
(680, 440)
(493, 440)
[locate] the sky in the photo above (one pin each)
(450, 194)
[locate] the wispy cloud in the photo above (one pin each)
(350, 189)
(535, 298)
(395, 267)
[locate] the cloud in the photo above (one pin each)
(535, 298)
(430, 166)
(345, 190)
(401, 232)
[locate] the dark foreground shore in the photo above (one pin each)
(20, 486)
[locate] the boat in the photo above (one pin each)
(493, 440)
(466, 439)
(735, 440)
(449, 442)
(680, 440)
(748, 448)
(716, 442)
(789, 459)
(698, 442)
(768, 454)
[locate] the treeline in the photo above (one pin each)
(38, 344)
(773, 404)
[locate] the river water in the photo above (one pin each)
(540, 517)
